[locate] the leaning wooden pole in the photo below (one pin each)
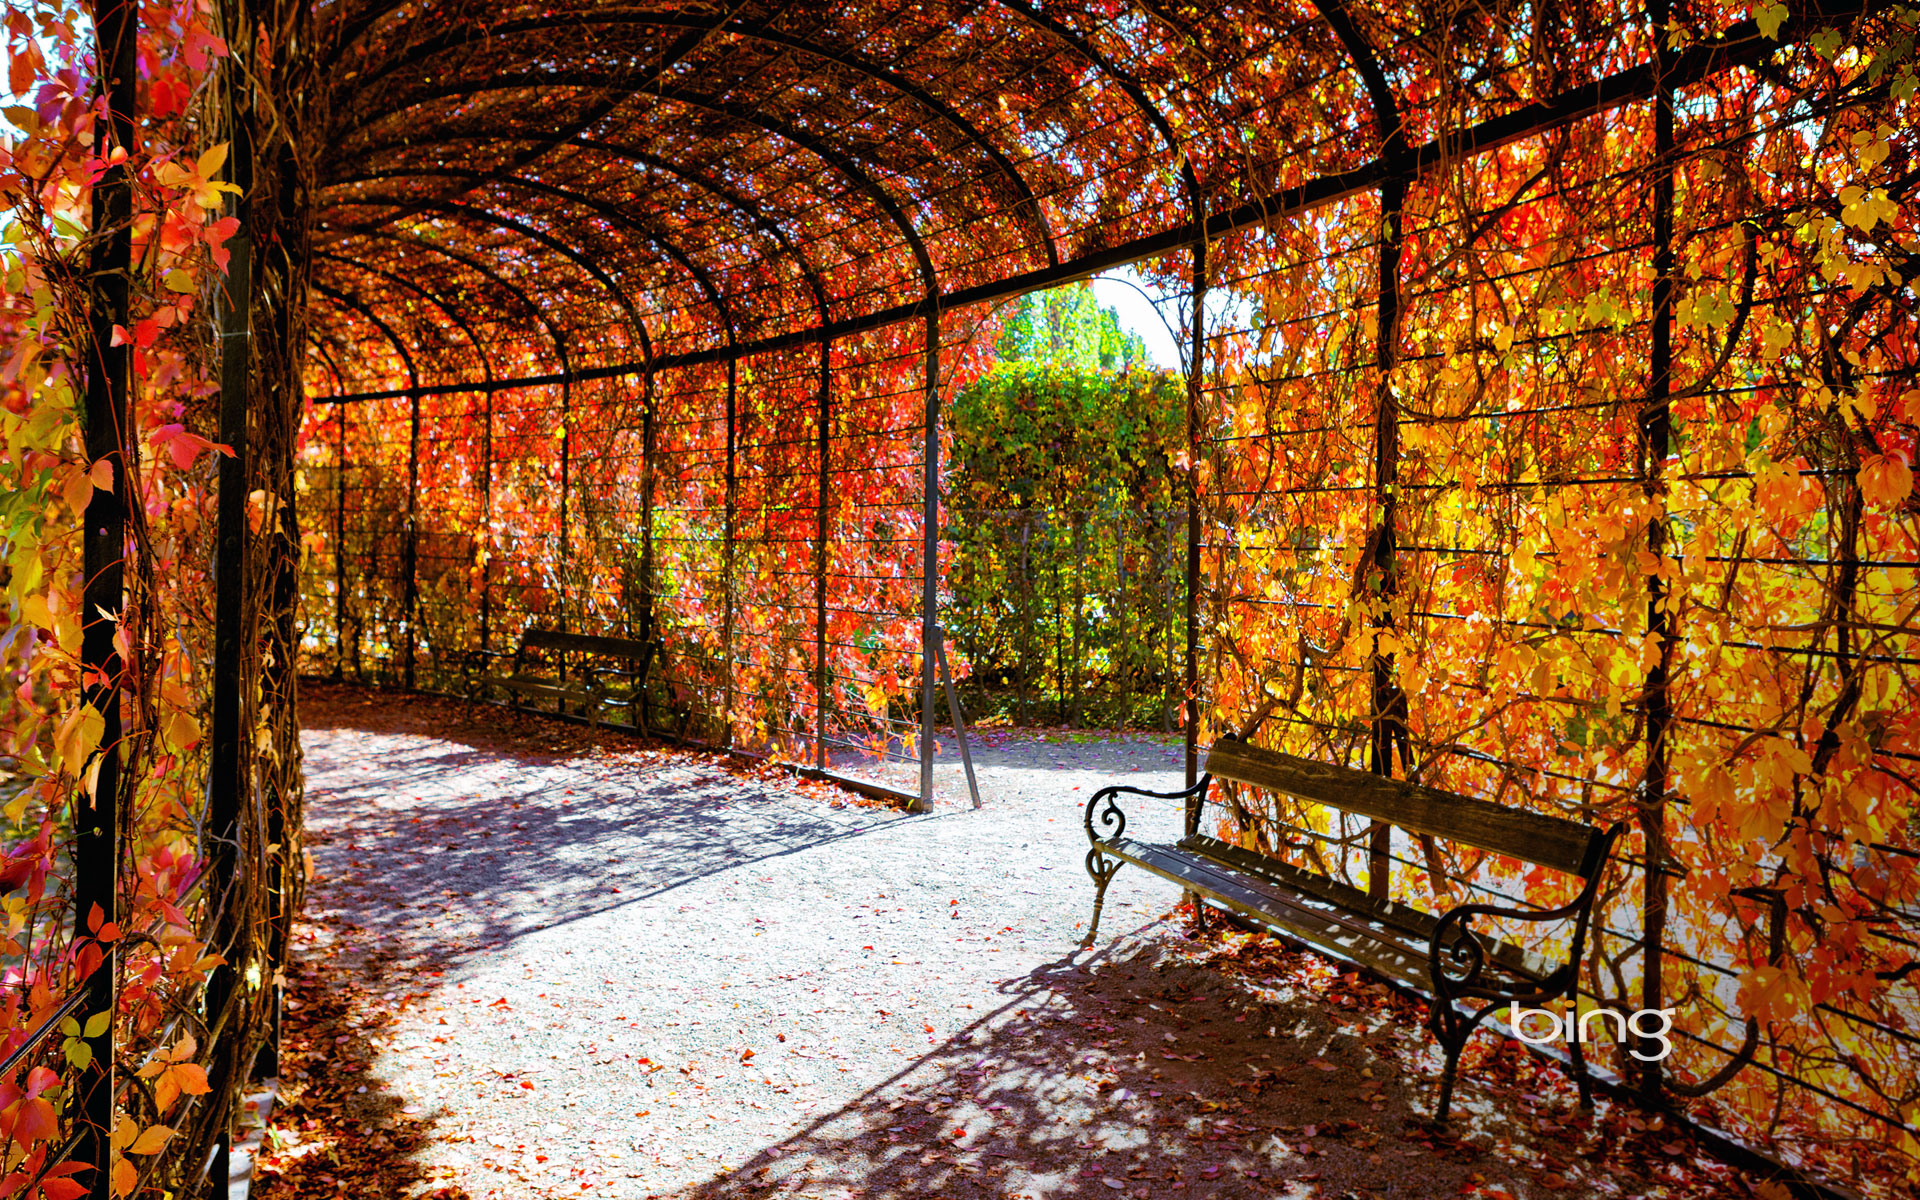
(103, 550)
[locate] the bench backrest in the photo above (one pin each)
(585, 643)
(1555, 842)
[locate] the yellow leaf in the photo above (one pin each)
(182, 730)
(208, 165)
(77, 737)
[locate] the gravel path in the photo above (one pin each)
(577, 965)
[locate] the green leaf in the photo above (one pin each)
(1769, 17)
(97, 1024)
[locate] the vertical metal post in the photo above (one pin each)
(1170, 698)
(340, 551)
(561, 562)
(486, 527)
(1196, 373)
(103, 550)
(228, 774)
(649, 434)
(1389, 705)
(412, 548)
(821, 680)
(1076, 703)
(1120, 645)
(727, 550)
(930, 551)
(1655, 433)
(1024, 640)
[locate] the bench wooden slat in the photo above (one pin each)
(1554, 842)
(1417, 924)
(586, 643)
(543, 686)
(1272, 905)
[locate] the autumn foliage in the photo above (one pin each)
(1549, 440)
(55, 154)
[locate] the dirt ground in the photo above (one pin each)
(540, 962)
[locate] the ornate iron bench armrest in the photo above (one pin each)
(1456, 960)
(1114, 821)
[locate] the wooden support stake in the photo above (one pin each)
(953, 711)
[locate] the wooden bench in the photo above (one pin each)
(551, 665)
(1436, 953)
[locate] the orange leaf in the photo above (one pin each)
(192, 1079)
(151, 1140)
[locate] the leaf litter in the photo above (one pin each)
(777, 999)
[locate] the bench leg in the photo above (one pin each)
(1452, 1030)
(1579, 1057)
(1103, 870)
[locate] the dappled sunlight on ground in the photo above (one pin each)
(542, 962)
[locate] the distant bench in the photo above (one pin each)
(572, 669)
(1435, 953)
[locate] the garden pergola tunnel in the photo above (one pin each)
(1550, 386)
(642, 318)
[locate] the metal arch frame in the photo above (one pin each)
(486, 435)
(671, 58)
(486, 272)
(944, 112)
(571, 253)
(619, 217)
(578, 258)
(1128, 84)
(413, 466)
(845, 164)
(632, 154)
(718, 300)
(338, 375)
(1388, 719)
(432, 297)
(539, 313)
(353, 301)
(1366, 64)
(1031, 14)
(1742, 46)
